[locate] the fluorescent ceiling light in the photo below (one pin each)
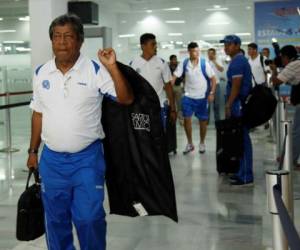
(7, 31)
(26, 18)
(149, 20)
(245, 43)
(218, 23)
(217, 6)
(243, 34)
(173, 9)
(248, 7)
(10, 42)
(213, 35)
(1, 18)
(214, 9)
(175, 21)
(126, 35)
(174, 34)
(179, 42)
(123, 21)
(22, 49)
(149, 11)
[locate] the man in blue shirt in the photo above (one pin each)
(237, 89)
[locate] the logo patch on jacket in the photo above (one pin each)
(141, 121)
(46, 84)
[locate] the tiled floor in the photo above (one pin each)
(212, 214)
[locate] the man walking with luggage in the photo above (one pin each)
(66, 104)
(237, 89)
(200, 86)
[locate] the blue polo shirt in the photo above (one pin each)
(239, 67)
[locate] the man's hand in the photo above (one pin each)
(211, 98)
(32, 161)
(173, 116)
(227, 111)
(107, 57)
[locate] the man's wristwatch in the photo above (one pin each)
(33, 151)
(211, 93)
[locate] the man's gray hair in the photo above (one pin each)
(71, 19)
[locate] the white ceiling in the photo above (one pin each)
(125, 17)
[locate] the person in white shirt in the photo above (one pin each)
(199, 90)
(218, 69)
(157, 72)
(66, 104)
(291, 75)
(257, 64)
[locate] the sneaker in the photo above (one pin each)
(188, 148)
(202, 148)
(242, 184)
(233, 178)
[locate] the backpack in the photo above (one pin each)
(203, 70)
(261, 58)
(259, 106)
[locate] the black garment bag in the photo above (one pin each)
(138, 176)
(30, 214)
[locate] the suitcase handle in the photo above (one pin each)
(35, 173)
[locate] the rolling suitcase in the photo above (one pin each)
(229, 144)
(171, 134)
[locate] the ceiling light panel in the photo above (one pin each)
(11, 42)
(175, 21)
(218, 23)
(126, 35)
(174, 34)
(173, 9)
(7, 31)
(218, 9)
(213, 35)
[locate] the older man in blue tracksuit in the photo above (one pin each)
(66, 104)
(238, 87)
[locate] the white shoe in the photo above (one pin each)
(189, 148)
(201, 148)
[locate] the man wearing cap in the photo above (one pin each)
(238, 87)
